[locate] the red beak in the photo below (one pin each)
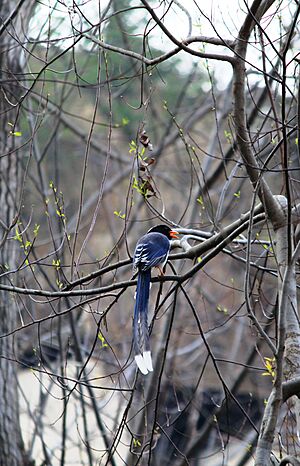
(174, 234)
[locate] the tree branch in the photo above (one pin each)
(183, 45)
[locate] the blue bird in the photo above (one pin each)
(152, 250)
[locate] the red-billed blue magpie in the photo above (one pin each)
(152, 250)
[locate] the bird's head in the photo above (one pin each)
(164, 230)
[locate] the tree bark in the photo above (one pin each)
(14, 17)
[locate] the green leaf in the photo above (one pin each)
(141, 188)
(59, 283)
(36, 229)
(228, 136)
(269, 364)
(132, 146)
(27, 245)
(18, 236)
(119, 214)
(102, 339)
(15, 133)
(59, 213)
(222, 309)
(56, 263)
(136, 442)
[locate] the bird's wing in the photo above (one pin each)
(151, 251)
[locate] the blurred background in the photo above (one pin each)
(106, 147)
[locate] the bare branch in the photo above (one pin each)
(180, 46)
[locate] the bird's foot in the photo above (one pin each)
(160, 271)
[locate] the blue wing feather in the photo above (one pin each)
(151, 250)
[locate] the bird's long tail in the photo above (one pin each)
(140, 324)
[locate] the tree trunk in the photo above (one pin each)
(14, 20)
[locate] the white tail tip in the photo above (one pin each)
(144, 362)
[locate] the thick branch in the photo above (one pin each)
(183, 45)
(289, 460)
(290, 388)
(244, 143)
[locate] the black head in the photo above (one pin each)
(164, 230)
